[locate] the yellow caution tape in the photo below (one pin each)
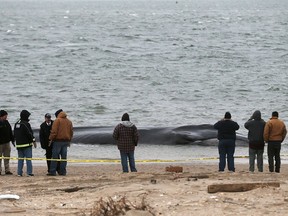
(116, 160)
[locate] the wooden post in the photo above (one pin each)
(240, 187)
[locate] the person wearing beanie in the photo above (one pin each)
(255, 126)
(24, 141)
(274, 134)
(227, 137)
(6, 136)
(61, 136)
(126, 136)
(57, 112)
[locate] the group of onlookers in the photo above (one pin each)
(272, 132)
(55, 136)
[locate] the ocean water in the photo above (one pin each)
(166, 63)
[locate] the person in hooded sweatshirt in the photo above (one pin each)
(255, 126)
(227, 136)
(126, 136)
(61, 136)
(24, 141)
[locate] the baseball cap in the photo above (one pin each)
(47, 115)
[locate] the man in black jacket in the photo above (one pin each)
(44, 133)
(227, 137)
(24, 142)
(6, 136)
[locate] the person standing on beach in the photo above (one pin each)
(227, 137)
(126, 136)
(6, 136)
(44, 133)
(274, 134)
(255, 126)
(24, 141)
(61, 136)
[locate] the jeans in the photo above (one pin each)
(25, 152)
(273, 150)
(252, 155)
(49, 156)
(124, 157)
(59, 150)
(5, 150)
(226, 147)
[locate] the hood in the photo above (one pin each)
(24, 115)
(62, 115)
(256, 115)
(127, 123)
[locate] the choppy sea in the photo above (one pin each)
(165, 62)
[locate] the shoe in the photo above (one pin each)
(19, 175)
(62, 174)
(8, 173)
(51, 174)
(30, 175)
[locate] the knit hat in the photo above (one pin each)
(24, 115)
(227, 115)
(57, 112)
(125, 117)
(275, 114)
(3, 113)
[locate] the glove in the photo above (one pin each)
(35, 144)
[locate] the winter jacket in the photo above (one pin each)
(62, 129)
(275, 130)
(255, 126)
(6, 134)
(23, 134)
(126, 135)
(226, 129)
(44, 134)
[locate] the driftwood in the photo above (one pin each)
(241, 187)
(176, 169)
(73, 189)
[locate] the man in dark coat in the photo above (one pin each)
(44, 133)
(6, 136)
(227, 137)
(255, 125)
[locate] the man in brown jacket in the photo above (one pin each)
(274, 134)
(61, 136)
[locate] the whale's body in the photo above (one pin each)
(203, 134)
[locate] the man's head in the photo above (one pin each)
(3, 115)
(47, 117)
(57, 112)
(227, 115)
(275, 114)
(125, 117)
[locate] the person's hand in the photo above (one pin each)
(50, 142)
(35, 144)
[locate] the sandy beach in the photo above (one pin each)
(87, 189)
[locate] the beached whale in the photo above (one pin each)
(203, 134)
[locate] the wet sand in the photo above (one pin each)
(150, 191)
